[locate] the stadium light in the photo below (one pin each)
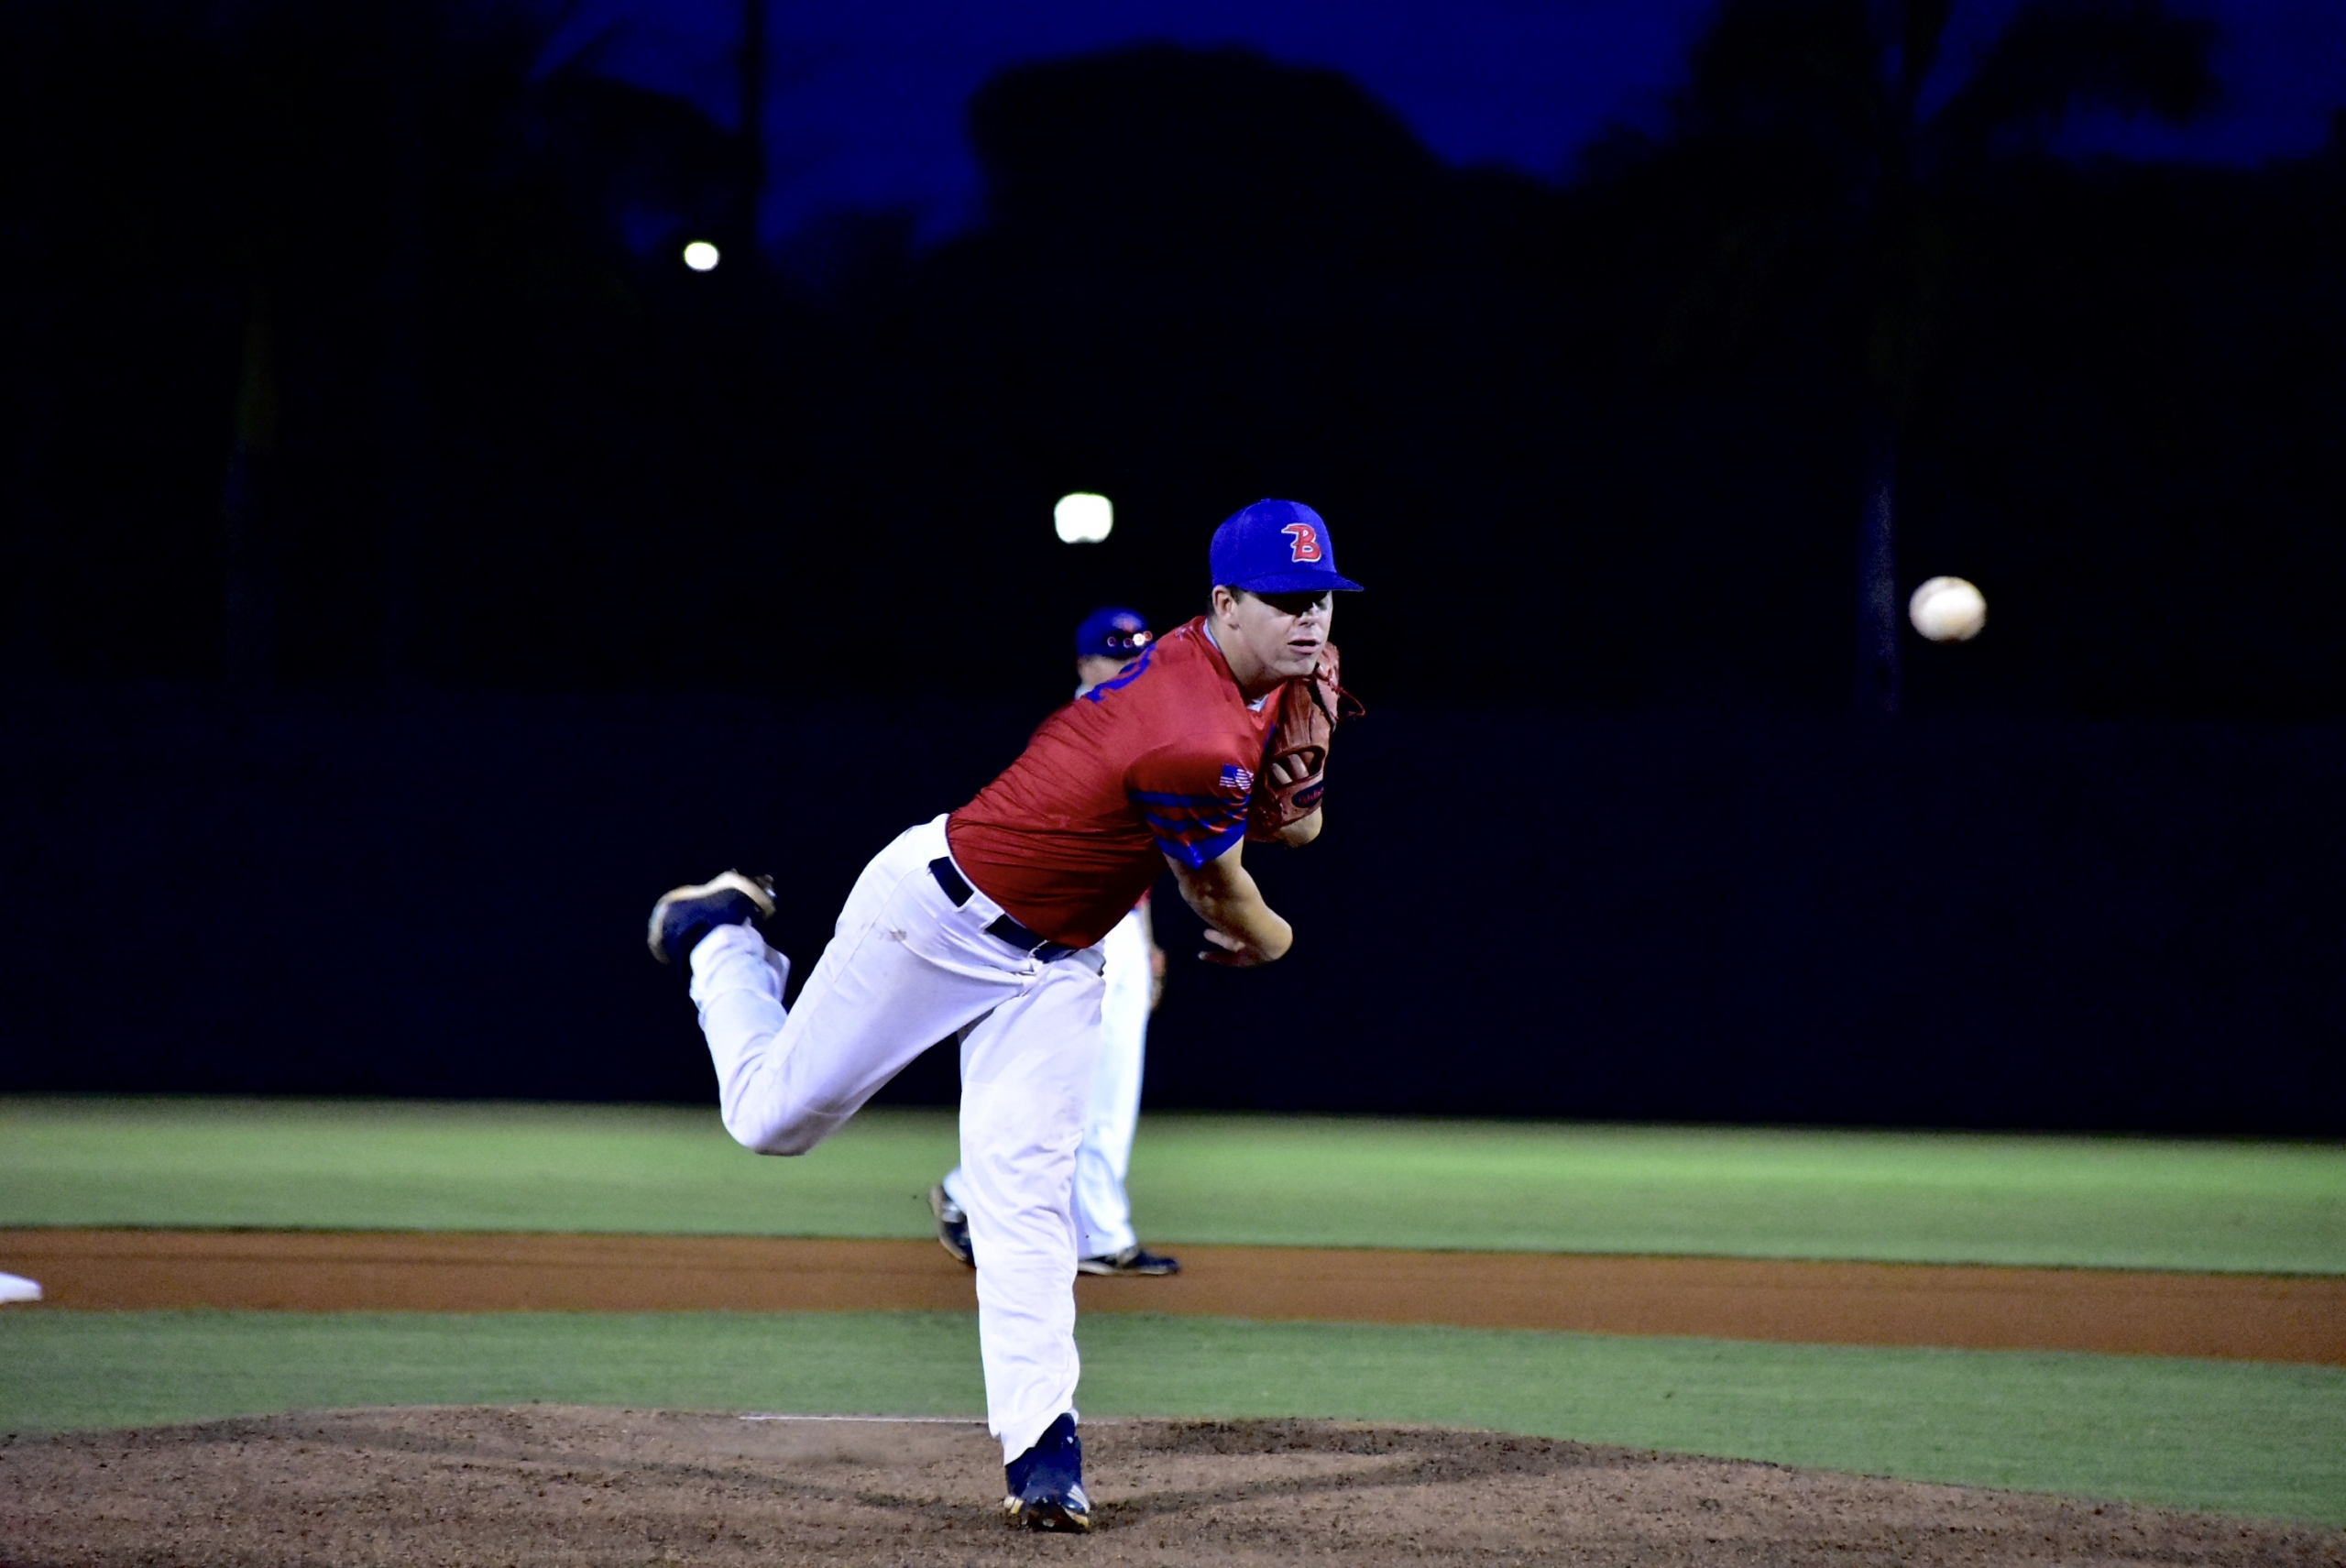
(1083, 517)
(701, 255)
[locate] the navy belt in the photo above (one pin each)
(956, 888)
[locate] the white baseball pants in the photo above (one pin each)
(903, 969)
(1103, 1213)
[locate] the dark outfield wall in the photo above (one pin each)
(1937, 922)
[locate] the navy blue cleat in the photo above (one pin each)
(684, 915)
(1046, 1482)
(952, 1226)
(1133, 1261)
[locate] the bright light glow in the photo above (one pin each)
(1083, 517)
(1948, 610)
(701, 255)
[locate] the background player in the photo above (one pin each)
(1134, 980)
(985, 925)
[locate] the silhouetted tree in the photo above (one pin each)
(1606, 417)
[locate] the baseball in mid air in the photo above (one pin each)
(1948, 610)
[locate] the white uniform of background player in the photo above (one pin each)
(1134, 973)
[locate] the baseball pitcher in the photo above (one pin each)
(985, 925)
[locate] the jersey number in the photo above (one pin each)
(1306, 542)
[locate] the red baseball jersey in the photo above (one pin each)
(1158, 761)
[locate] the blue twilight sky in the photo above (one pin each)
(864, 108)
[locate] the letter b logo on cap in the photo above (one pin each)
(1276, 547)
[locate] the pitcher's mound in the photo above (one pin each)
(549, 1485)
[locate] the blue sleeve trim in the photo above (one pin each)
(1165, 826)
(1123, 677)
(1194, 855)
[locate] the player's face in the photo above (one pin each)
(1283, 631)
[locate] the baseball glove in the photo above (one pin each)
(1295, 773)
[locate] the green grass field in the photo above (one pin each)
(2098, 1202)
(2268, 1441)
(2264, 1441)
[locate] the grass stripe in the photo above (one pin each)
(2090, 1202)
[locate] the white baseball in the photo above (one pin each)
(1948, 610)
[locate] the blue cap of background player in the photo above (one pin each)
(1111, 634)
(1276, 547)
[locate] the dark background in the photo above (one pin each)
(1958, 920)
(410, 569)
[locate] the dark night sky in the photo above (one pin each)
(865, 107)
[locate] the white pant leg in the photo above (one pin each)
(1103, 1216)
(903, 969)
(1103, 1210)
(1025, 1079)
(898, 975)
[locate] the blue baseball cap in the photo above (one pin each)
(1111, 634)
(1276, 547)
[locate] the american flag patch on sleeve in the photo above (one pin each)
(1237, 777)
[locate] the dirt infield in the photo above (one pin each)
(548, 1484)
(2239, 1317)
